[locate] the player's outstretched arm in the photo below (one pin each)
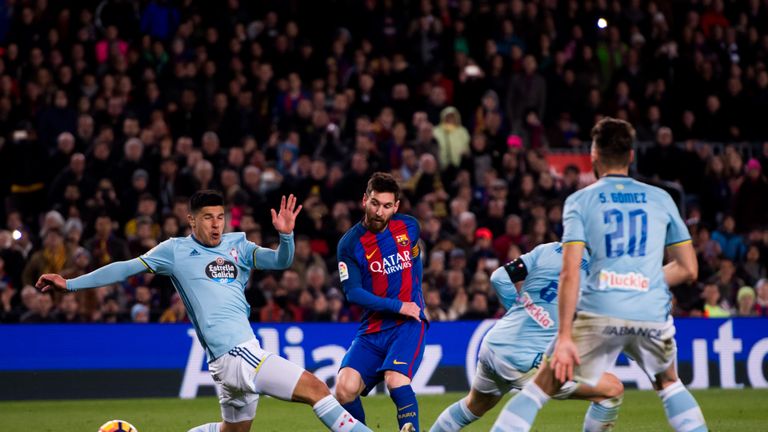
(279, 259)
(51, 282)
(106, 275)
(285, 219)
(683, 266)
(565, 356)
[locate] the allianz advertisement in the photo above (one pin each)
(105, 361)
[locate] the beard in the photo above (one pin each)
(376, 223)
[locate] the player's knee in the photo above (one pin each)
(479, 403)
(614, 388)
(346, 390)
(395, 379)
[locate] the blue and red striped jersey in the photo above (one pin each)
(380, 271)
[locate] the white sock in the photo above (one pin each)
(683, 412)
(208, 427)
(335, 417)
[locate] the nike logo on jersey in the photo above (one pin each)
(194, 253)
(399, 362)
(369, 256)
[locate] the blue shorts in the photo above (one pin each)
(399, 349)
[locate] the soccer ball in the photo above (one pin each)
(117, 426)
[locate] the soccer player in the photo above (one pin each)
(625, 304)
(380, 269)
(209, 270)
(512, 350)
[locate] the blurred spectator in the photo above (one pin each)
(452, 139)
(104, 246)
(140, 313)
(50, 259)
(761, 302)
(40, 309)
(713, 306)
(478, 307)
(731, 243)
(68, 310)
(176, 312)
(753, 269)
(750, 208)
(433, 307)
(745, 302)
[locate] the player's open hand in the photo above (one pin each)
(285, 219)
(564, 358)
(51, 281)
(411, 309)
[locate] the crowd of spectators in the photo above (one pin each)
(113, 112)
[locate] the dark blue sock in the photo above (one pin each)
(356, 409)
(407, 406)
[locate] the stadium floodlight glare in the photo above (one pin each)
(16, 234)
(602, 23)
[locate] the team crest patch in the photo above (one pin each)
(402, 240)
(221, 270)
(343, 271)
(233, 253)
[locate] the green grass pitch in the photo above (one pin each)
(725, 410)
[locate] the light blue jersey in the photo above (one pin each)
(525, 331)
(625, 225)
(210, 280)
(211, 283)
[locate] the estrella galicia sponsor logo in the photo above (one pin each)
(650, 333)
(221, 270)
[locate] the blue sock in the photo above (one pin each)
(356, 409)
(520, 412)
(454, 418)
(335, 417)
(683, 412)
(407, 406)
(602, 416)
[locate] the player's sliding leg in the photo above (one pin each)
(520, 412)
(401, 393)
(606, 398)
(683, 412)
(469, 409)
(349, 386)
(285, 380)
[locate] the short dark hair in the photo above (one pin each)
(613, 138)
(383, 182)
(205, 198)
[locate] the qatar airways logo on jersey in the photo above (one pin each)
(623, 281)
(221, 270)
(536, 312)
(392, 263)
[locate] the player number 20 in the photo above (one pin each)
(635, 236)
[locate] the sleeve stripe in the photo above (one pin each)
(574, 241)
(146, 265)
(680, 243)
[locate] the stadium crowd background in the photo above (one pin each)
(113, 112)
